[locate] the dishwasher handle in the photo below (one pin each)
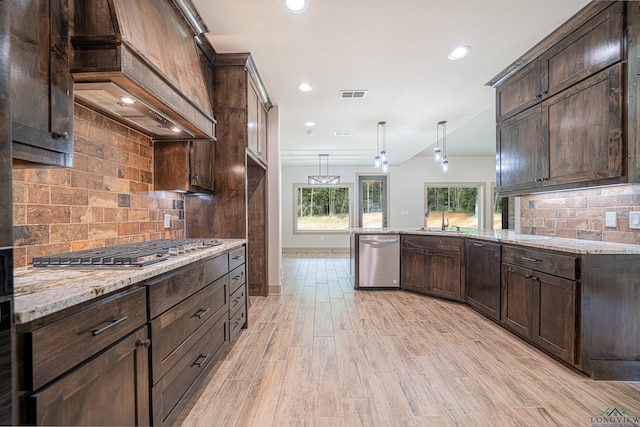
(378, 242)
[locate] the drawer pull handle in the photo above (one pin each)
(109, 326)
(238, 257)
(530, 259)
(237, 300)
(200, 313)
(238, 276)
(201, 360)
(478, 245)
(143, 343)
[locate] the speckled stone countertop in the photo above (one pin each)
(576, 246)
(42, 291)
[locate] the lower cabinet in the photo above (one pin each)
(87, 365)
(111, 389)
(483, 277)
(433, 265)
(540, 306)
(136, 357)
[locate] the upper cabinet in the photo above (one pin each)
(560, 108)
(184, 166)
(41, 85)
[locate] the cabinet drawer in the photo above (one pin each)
(236, 258)
(238, 298)
(237, 278)
(175, 331)
(169, 290)
(60, 346)
(173, 391)
(546, 262)
(432, 242)
(237, 322)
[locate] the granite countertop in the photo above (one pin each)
(576, 246)
(42, 291)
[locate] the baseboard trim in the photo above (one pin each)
(275, 289)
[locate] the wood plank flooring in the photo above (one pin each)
(322, 354)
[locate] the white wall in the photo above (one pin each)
(406, 187)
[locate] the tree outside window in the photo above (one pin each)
(322, 208)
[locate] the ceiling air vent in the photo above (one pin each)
(342, 133)
(353, 94)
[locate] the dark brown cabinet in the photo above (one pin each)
(240, 208)
(539, 298)
(433, 265)
(87, 365)
(483, 277)
(185, 166)
(584, 136)
(561, 115)
(521, 152)
(120, 374)
(41, 84)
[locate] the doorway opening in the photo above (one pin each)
(372, 201)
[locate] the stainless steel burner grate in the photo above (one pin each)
(125, 256)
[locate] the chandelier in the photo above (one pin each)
(321, 179)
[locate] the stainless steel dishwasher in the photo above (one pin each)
(379, 261)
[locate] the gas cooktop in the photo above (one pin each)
(130, 255)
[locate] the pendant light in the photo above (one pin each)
(381, 160)
(440, 154)
(377, 160)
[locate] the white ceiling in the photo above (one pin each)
(397, 50)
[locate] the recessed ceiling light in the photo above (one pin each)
(176, 129)
(309, 124)
(305, 87)
(296, 6)
(127, 100)
(459, 52)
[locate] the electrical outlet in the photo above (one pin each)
(611, 219)
(634, 219)
(167, 221)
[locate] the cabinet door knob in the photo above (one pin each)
(56, 135)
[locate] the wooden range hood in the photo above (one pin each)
(146, 51)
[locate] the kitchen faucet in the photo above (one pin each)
(436, 207)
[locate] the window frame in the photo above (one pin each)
(297, 186)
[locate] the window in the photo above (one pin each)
(461, 203)
(322, 208)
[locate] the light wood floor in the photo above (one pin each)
(322, 354)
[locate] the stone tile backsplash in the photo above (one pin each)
(106, 199)
(580, 214)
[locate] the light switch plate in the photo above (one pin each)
(611, 219)
(634, 220)
(167, 221)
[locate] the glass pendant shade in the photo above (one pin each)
(377, 162)
(385, 167)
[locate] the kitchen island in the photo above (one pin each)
(571, 298)
(127, 346)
